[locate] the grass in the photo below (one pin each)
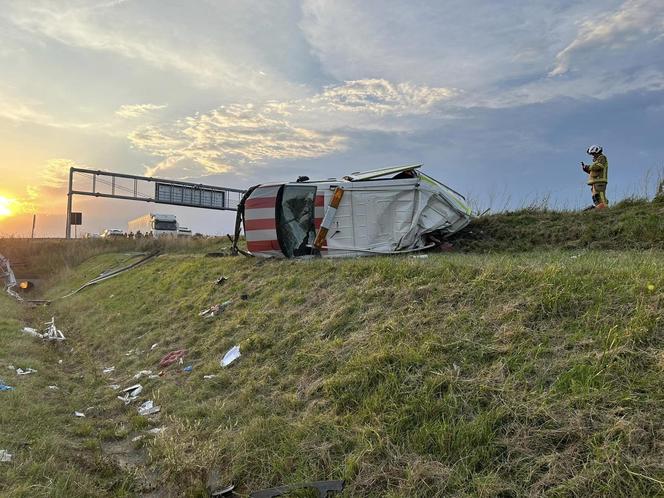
(630, 224)
(529, 374)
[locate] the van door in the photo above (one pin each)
(295, 219)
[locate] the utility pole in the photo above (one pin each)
(34, 219)
(69, 199)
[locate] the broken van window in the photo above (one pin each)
(295, 220)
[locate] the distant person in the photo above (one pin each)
(598, 177)
(139, 234)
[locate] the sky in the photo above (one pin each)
(497, 99)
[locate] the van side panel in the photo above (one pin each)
(260, 224)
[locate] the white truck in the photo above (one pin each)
(155, 225)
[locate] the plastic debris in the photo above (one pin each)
(215, 310)
(53, 388)
(154, 346)
(420, 256)
(59, 362)
(52, 333)
(148, 408)
(157, 430)
(651, 287)
(136, 439)
(115, 387)
(188, 368)
(230, 356)
(324, 488)
(108, 370)
(79, 414)
(130, 393)
(31, 331)
(221, 280)
(209, 376)
(5, 456)
(142, 373)
(27, 371)
(223, 491)
(172, 357)
(5, 387)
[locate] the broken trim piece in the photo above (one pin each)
(323, 488)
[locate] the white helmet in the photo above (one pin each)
(594, 149)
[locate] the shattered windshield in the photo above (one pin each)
(295, 220)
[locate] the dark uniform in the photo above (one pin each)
(598, 177)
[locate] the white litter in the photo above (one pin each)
(230, 356)
(31, 331)
(5, 456)
(115, 387)
(209, 376)
(53, 388)
(79, 414)
(59, 362)
(108, 370)
(148, 408)
(20, 371)
(51, 332)
(130, 393)
(215, 310)
(157, 430)
(420, 256)
(142, 373)
(154, 346)
(137, 438)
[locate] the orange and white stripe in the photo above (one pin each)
(259, 222)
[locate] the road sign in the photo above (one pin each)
(184, 195)
(75, 218)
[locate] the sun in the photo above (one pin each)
(6, 207)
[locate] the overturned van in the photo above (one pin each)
(388, 211)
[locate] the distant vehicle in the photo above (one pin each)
(155, 225)
(386, 211)
(112, 233)
(184, 232)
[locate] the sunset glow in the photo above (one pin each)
(5, 207)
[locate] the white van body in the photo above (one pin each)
(157, 225)
(387, 211)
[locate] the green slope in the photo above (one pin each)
(455, 375)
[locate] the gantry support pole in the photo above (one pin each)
(69, 199)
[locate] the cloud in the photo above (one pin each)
(137, 110)
(230, 137)
(635, 23)
(380, 96)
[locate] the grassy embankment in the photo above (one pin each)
(457, 375)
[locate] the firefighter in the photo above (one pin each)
(598, 176)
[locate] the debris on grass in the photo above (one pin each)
(215, 310)
(5, 387)
(188, 368)
(142, 373)
(79, 414)
(221, 280)
(53, 388)
(212, 376)
(5, 456)
(130, 393)
(172, 357)
(148, 408)
(230, 356)
(51, 332)
(27, 371)
(223, 491)
(108, 370)
(324, 488)
(157, 430)
(154, 346)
